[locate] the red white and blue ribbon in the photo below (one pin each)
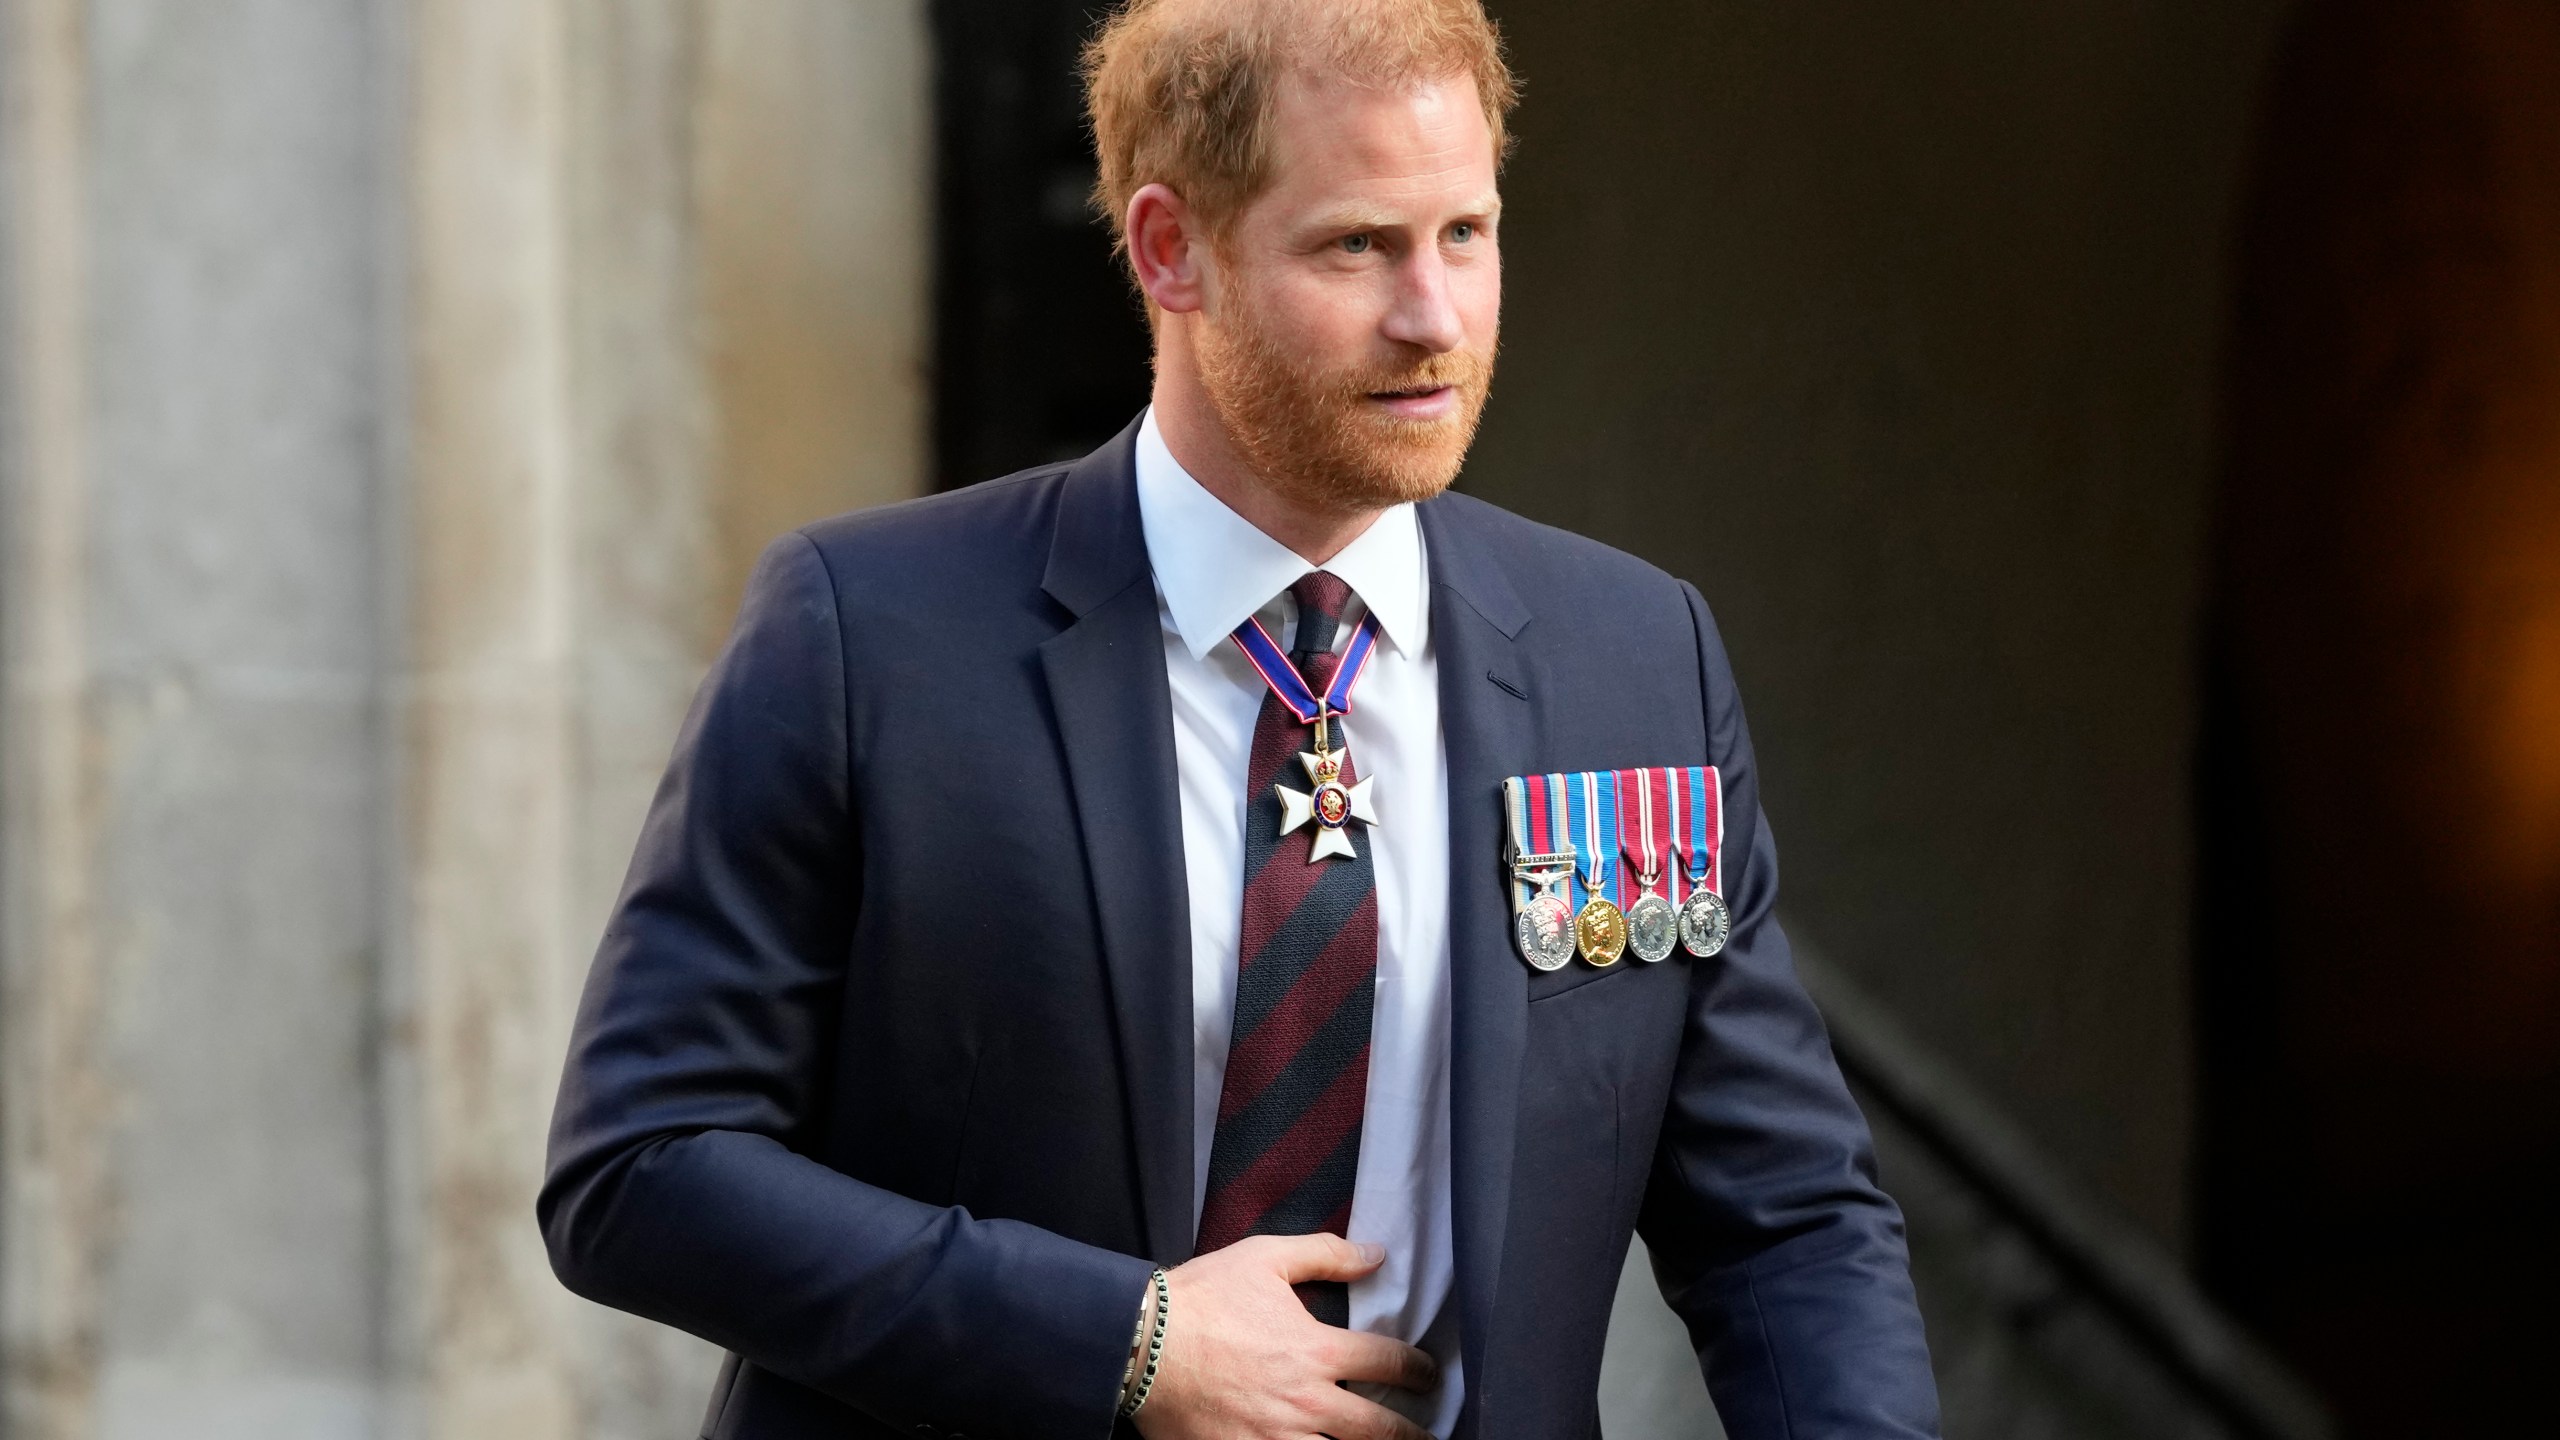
(1697, 831)
(1272, 663)
(1592, 797)
(1541, 824)
(1644, 830)
(1556, 792)
(1523, 814)
(1666, 819)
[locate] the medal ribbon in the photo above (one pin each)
(1594, 807)
(1524, 807)
(1676, 792)
(1267, 658)
(1700, 830)
(1650, 790)
(1666, 820)
(1558, 824)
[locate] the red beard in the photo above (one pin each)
(1314, 435)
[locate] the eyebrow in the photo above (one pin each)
(1370, 217)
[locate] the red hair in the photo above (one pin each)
(1179, 91)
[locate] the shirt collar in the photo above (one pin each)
(1213, 568)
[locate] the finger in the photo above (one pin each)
(1325, 1257)
(1384, 1361)
(1346, 1416)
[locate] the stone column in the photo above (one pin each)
(813, 173)
(485, 700)
(188, 867)
(396, 393)
(52, 1101)
(668, 299)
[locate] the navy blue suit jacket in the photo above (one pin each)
(882, 1078)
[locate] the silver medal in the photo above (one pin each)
(1705, 923)
(1543, 928)
(1653, 927)
(1544, 932)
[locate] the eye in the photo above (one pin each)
(1355, 244)
(1462, 232)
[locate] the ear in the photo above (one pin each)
(1168, 249)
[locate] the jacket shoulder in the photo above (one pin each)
(1555, 567)
(977, 542)
(982, 518)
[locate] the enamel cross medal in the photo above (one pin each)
(1330, 802)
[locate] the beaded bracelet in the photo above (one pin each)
(1155, 1349)
(1137, 1345)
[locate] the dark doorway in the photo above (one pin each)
(2379, 948)
(1041, 343)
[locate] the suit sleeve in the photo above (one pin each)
(677, 1188)
(1769, 1234)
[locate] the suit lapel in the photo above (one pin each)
(1114, 713)
(1488, 730)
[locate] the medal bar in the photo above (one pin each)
(1607, 862)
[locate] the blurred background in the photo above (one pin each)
(2119, 438)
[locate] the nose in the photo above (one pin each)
(1424, 314)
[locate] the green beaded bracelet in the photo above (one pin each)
(1155, 1348)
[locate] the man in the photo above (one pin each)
(1068, 978)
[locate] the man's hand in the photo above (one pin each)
(1243, 1360)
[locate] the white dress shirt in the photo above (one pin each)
(1213, 569)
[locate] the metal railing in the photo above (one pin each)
(2136, 1303)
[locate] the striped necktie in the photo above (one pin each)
(1287, 1146)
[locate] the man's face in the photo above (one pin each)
(1353, 306)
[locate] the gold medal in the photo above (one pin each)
(1600, 930)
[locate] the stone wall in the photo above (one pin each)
(397, 393)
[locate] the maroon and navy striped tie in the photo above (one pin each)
(1287, 1147)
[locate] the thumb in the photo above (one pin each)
(1326, 1257)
